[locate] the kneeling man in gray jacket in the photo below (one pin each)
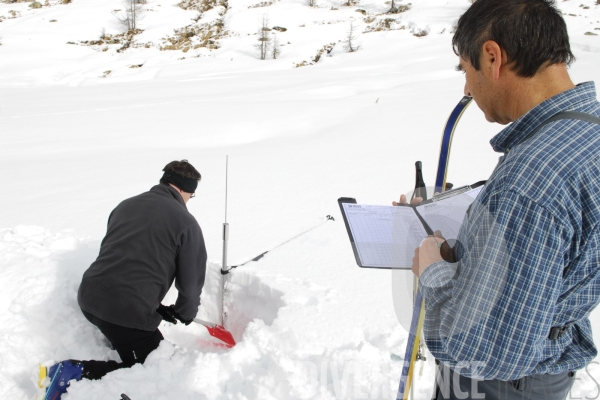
(151, 241)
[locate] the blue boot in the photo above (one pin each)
(57, 377)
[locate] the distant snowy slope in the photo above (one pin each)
(45, 45)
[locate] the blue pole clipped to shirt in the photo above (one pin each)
(416, 325)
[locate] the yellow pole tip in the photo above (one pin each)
(43, 374)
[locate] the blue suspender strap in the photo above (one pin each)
(560, 115)
(565, 115)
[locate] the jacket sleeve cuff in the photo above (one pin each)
(436, 282)
(437, 275)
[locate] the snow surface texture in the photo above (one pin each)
(310, 324)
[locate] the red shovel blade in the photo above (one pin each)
(222, 334)
(218, 332)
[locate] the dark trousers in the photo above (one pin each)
(133, 346)
(452, 386)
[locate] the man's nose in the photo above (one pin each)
(467, 91)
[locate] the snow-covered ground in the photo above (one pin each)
(310, 323)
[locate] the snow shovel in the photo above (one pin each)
(218, 331)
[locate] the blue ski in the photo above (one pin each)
(416, 325)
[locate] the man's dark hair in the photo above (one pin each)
(182, 168)
(532, 32)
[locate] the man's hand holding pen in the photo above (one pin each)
(433, 248)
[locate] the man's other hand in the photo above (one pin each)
(183, 321)
(413, 202)
(167, 313)
(170, 315)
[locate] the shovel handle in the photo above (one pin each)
(205, 323)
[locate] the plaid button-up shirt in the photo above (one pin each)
(529, 253)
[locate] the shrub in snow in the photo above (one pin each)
(36, 4)
(264, 41)
(327, 48)
(133, 14)
(350, 44)
(201, 5)
(125, 40)
(199, 35)
(369, 19)
(275, 50)
(420, 32)
(385, 24)
(261, 4)
(196, 36)
(302, 64)
(398, 9)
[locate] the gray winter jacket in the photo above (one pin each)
(151, 241)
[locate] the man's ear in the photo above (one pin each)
(492, 58)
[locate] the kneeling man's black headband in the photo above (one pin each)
(188, 185)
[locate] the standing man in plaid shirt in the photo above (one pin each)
(507, 316)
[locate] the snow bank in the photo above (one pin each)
(293, 342)
(282, 352)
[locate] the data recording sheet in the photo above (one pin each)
(384, 236)
(446, 214)
(387, 236)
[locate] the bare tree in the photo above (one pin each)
(264, 40)
(393, 8)
(350, 39)
(311, 3)
(275, 50)
(133, 14)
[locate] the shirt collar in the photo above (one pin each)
(568, 100)
(167, 189)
